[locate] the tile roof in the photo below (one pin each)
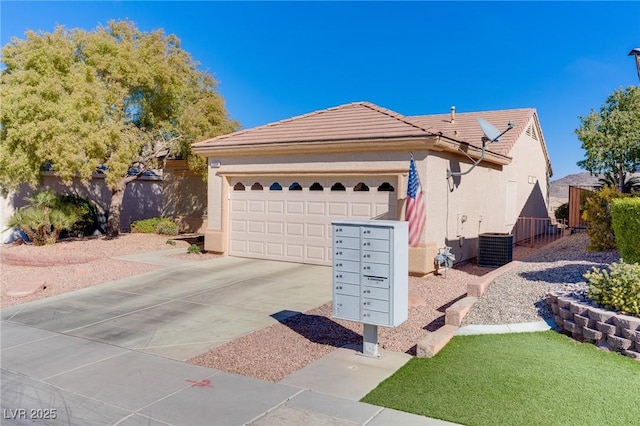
(367, 121)
(465, 126)
(358, 120)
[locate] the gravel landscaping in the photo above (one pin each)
(518, 295)
(74, 264)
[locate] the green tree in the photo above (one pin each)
(611, 138)
(114, 99)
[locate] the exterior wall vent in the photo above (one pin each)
(494, 249)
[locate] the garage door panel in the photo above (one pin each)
(238, 206)
(295, 207)
(256, 227)
(238, 226)
(275, 207)
(237, 246)
(275, 249)
(361, 210)
(294, 229)
(256, 206)
(255, 247)
(275, 228)
(295, 251)
(340, 209)
(315, 254)
(315, 230)
(316, 208)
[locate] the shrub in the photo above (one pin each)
(625, 216)
(87, 213)
(597, 215)
(167, 227)
(155, 225)
(194, 248)
(146, 226)
(562, 212)
(171, 242)
(44, 217)
(617, 289)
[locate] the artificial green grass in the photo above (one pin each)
(541, 378)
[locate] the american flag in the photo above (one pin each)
(414, 209)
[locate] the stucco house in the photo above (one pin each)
(273, 190)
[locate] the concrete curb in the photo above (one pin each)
(434, 342)
(523, 327)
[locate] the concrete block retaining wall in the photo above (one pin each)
(603, 328)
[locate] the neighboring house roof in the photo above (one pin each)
(361, 121)
(358, 120)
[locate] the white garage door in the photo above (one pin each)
(290, 220)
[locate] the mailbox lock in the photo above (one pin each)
(338, 264)
(338, 253)
(339, 276)
(338, 288)
(338, 241)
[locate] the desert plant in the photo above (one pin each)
(44, 217)
(167, 227)
(146, 226)
(194, 248)
(171, 242)
(562, 212)
(618, 288)
(87, 212)
(155, 225)
(625, 217)
(597, 215)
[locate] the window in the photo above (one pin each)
(256, 187)
(386, 186)
(361, 187)
(338, 187)
(295, 186)
(316, 187)
(238, 187)
(275, 186)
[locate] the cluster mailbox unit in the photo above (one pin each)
(370, 275)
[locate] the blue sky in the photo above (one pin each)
(275, 60)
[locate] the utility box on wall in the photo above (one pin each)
(371, 271)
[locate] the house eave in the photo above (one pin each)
(422, 142)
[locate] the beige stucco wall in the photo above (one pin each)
(184, 197)
(461, 208)
(142, 199)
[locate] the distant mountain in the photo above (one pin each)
(560, 188)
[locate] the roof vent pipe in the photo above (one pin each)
(453, 114)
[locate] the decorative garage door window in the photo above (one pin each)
(289, 219)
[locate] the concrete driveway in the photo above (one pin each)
(182, 311)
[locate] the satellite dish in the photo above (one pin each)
(490, 132)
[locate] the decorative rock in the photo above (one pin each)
(626, 321)
(559, 321)
(571, 326)
(564, 302)
(606, 328)
(631, 334)
(618, 343)
(583, 321)
(604, 345)
(578, 308)
(565, 313)
(555, 308)
(632, 354)
(552, 299)
(638, 346)
(601, 315)
(591, 334)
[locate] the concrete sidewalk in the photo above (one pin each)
(113, 354)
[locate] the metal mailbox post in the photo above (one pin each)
(371, 275)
